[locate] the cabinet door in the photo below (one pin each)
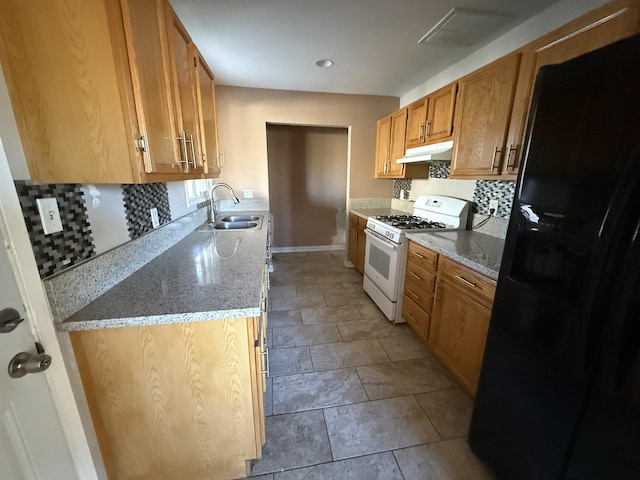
(440, 110)
(383, 142)
(458, 334)
(396, 147)
(145, 29)
(416, 122)
(482, 119)
(208, 119)
(183, 64)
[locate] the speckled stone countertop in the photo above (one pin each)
(206, 276)
(372, 212)
(477, 251)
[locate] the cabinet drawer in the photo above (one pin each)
(362, 222)
(422, 257)
(424, 298)
(470, 282)
(421, 277)
(417, 318)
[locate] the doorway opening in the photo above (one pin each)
(308, 168)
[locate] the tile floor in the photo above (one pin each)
(352, 396)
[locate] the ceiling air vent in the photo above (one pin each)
(462, 28)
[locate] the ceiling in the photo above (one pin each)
(374, 43)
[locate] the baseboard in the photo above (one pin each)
(320, 248)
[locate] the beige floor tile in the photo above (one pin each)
(301, 301)
(338, 299)
(282, 292)
(305, 335)
(446, 460)
(376, 328)
(314, 316)
(329, 288)
(405, 377)
(378, 426)
(310, 391)
(380, 466)
(347, 354)
(449, 411)
(403, 347)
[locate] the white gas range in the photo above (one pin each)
(386, 247)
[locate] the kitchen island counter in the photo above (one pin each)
(211, 275)
(477, 251)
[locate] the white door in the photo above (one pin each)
(32, 443)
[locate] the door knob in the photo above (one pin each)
(26, 362)
(9, 319)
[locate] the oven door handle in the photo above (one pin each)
(381, 240)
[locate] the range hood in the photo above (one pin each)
(428, 153)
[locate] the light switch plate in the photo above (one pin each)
(49, 215)
(248, 193)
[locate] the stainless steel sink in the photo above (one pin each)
(234, 222)
(240, 218)
(234, 225)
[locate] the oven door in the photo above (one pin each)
(381, 263)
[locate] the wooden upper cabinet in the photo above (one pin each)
(206, 95)
(430, 119)
(183, 62)
(146, 39)
(440, 114)
(417, 118)
(390, 145)
(482, 119)
(94, 93)
(602, 26)
(63, 64)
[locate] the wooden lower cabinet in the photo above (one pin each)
(182, 400)
(357, 241)
(454, 325)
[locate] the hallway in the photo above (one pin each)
(352, 396)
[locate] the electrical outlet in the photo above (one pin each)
(155, 221)
(248, 193)
(49, 215)
(493, 205)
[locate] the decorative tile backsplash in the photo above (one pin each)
(57, 251)
(501, 190)
(139, 200)
(439, 169)
(401, 184)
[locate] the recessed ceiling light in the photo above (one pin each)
(324, 63)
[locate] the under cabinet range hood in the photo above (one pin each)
(427, 153)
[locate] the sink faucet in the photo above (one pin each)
(212, 205)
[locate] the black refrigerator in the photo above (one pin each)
(559, 390)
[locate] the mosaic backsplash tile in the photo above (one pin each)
(57, 251)
(401, 184)
(139, 200)
(439, 170)
(498, 189)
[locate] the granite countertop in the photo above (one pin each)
(373, 212)
(206, 276)
(477, 251)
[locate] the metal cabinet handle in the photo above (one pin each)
(414, 295)
(418, 277)
(493, 160)
(428, 132)
(411, 317)
(417, 255)
(193, 151)
(421, 132)
(9, 320)
(185, 155)
(465, 281)
(512, 149)
(265, 355)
